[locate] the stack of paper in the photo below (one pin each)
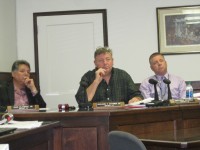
(22, 124)
(139, 104)
(144, 101)
(135, 106)
(196, 95)
(4, 147)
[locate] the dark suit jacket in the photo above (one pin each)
(7, 95)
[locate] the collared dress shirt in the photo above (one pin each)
(120, 88)
(177, 87)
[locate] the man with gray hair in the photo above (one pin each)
(106, 83)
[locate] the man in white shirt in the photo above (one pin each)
(158, 65)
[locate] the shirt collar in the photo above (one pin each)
(160, 77)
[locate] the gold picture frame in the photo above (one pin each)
(178, 29)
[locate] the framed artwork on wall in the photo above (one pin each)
(178, 29)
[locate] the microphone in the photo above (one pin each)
(167, 81)
(154, 82)
(85, 105)
(83, 83)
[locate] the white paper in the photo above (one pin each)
(3, 121)
(144, 101)
(4, 147)
(196, 95)
(22, 124)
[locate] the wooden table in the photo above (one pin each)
(89, 129)
(40, 138)
(179, 139)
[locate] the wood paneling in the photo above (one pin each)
(87, 138)
(41, 138)
(166, 128)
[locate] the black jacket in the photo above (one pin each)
(7, 95)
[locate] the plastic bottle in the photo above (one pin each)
(189, 92)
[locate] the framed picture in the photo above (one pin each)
(178, 29)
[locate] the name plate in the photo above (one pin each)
(108, 105)
(23, 108)
(184, 102)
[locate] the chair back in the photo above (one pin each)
(120, 140)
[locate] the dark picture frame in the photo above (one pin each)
(178, 29)
(82, 13)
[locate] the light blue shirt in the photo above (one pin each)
(177, 86)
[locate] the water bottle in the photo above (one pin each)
(189, 92)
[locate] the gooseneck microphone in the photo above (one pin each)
(85, 105)
(167, 81)
(154, 82)
(84, 84)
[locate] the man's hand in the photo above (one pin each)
(134, 99)
(99, 74)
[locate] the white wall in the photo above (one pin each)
(132, 33)
(8, 42)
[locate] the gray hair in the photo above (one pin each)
(16, 64)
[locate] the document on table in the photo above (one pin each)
(144, 101)
(22, 124)
(196, 95)
(139, 104)
(4, 147)
(135, 106)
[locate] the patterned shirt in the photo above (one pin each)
(120, 88)
(21, 98)
(177, 87)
